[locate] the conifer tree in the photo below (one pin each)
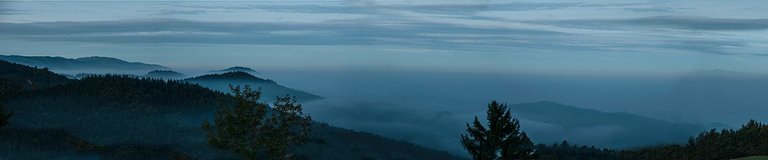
(501, 139)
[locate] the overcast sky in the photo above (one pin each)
(601, 36)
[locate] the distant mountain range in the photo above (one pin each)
(552, 122)
(270, 89)
(218, 79)
(83, 65)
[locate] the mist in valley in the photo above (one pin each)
(431, 108)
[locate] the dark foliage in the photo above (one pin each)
(251, 130)
(501, 140)
(5, 116)
(113, 109)
(142, 151)
(164, 74)
(155, 118)
(15, 77)
(750, 140)
(270, 90)
(236, 75)
(121, 90)
(565, 150)
(18, 143)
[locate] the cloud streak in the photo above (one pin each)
(561, 35)
(689, 23)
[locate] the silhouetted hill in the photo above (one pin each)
(83, 65)
(148, 117)
(269, 89)
(606, 128)
(234, 76)
(236, 69)
(15, 77)
(164, 74)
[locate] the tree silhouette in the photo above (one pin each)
(253, 131)
(502, 139)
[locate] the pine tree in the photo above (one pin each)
(251, 130)
(502, 139)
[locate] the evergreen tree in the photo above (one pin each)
(253, 131)
(502, 139)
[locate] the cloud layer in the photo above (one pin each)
(534, 27)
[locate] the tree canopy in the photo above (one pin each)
(251, 130)
(501, 139)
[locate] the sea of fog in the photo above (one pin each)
(431, 108)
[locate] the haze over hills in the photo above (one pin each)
(720, 93)
(134, 117)
(93, 64)
(217, 80)
(236, 69)
(553, 122)
(270, 89)
(668, 93)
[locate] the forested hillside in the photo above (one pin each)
(749, 140)
(126, 116)
(269, 88)
(16, 76)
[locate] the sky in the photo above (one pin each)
(599, 36)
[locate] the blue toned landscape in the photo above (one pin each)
(384, 79)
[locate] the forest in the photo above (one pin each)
(46, 115)
(118, 116)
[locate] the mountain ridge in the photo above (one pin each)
(236, 69)
(626, 128)
(92, 63)
(270, 89)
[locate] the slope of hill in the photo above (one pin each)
(598, 128)
(18, 143)
(42, 144)
(15, 77)
(236, 69)
(125, 113)
(83, 65)
(164, 74)
(270, 89)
